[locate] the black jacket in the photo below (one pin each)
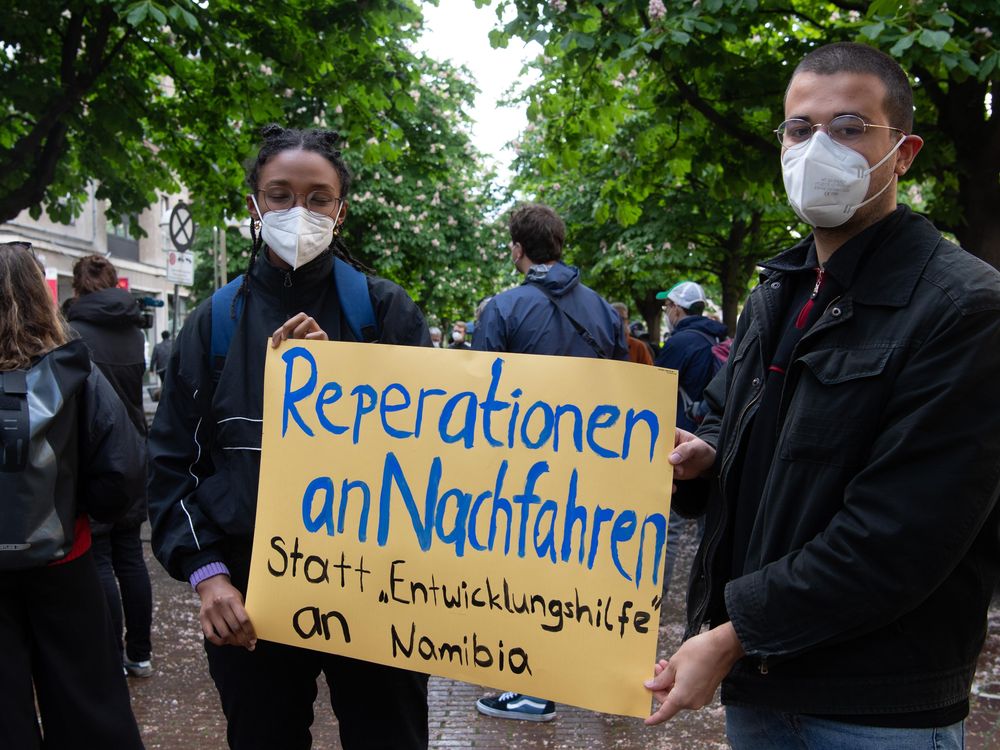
(108, 322)
(205, 443)
(875, 550)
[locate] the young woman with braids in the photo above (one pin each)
(205, 457)
(67, 449)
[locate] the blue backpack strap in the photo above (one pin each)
(355, 302)
(224, 324)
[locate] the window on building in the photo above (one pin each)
(121, 244)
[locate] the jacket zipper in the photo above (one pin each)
(800, 320)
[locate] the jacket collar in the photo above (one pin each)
(894, 263)
(273, 279)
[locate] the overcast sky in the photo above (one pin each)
(458, 31)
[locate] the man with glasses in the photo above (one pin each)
(852, 461)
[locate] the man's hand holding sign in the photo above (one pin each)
(471, 522)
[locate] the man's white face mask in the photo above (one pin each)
(297, 235)
(826, 182)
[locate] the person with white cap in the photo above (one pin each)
(689, 351)
(689, 348)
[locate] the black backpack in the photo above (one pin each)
(38, 457)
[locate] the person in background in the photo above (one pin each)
(435, 337)
(637, 351)
(689, 352)
(161, 355)
(205, 456)
(108, 320)
(459, 335)
(553, 313)
(852, 461)
(57, 651)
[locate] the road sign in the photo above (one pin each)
(181, 227)
(180, 268)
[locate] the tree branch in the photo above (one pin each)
(727, 125)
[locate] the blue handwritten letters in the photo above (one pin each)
(528, 513)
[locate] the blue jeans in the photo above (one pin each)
(755, 729)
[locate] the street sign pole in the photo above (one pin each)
(177, 311)
(180, 265)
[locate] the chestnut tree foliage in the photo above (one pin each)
(651, 127)
(143, 96)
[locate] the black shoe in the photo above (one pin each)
(517, 706)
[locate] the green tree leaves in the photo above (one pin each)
(664, 117)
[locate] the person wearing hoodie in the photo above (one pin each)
(108, 320)
(551, 312)
(689, 351)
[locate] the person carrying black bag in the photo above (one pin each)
(67, 450)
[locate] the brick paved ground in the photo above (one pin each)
(178, 708)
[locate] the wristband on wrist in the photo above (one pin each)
(207, 571)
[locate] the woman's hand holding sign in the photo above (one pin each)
(224, 621)
(300, 326)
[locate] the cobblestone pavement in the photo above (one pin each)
(178, 708)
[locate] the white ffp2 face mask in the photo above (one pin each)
(826, 181)
(297, 235)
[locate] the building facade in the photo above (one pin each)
(141, 264)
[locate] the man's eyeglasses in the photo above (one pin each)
(845, 129)
(319, 201)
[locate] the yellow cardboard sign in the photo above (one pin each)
(494, 518)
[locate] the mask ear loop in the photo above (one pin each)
(336, 220)
(872, 168)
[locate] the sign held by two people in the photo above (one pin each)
(489, 517)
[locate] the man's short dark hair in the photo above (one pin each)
(848, 57)
(165, 335)
(539, 231)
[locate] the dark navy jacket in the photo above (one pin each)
(526, 320)
(690, 353)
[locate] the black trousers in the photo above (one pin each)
(268, 695)
(55, 632)
(122, 568)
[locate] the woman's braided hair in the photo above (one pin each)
(274, 140)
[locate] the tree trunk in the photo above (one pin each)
(650, 309)
(980, 200)
(962, 116)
